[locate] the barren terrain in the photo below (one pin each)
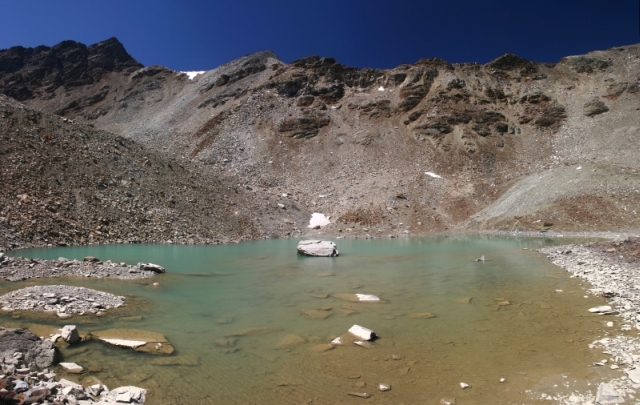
(252, 148)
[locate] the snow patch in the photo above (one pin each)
(318, 219)
(193, 74)
(435, 176)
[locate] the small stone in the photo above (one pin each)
(464, 385)
(70, 334)
(384, 387)
(72, 368)
(503, 380)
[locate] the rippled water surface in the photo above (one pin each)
(502, 318)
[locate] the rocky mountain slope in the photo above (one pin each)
(516, 144)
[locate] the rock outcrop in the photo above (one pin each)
(19, 346)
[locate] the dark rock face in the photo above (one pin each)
(306, 126)
(595, 107)
(23, 71)
(586, 64)
(511, 62)
(35, 351)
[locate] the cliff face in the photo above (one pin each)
(517, 143)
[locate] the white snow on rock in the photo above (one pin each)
(318, 219)
(435, 176)
(193, 74)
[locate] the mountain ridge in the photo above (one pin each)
(355, 143)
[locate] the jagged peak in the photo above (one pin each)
(510, 61)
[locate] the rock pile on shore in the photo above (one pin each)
(18, 269)
(61, 299)
(616, 280)
(613, 270)
(26, 376)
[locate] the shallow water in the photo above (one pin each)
(213, 292)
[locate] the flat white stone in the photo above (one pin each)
(125, 342)
(337, 341)
(608, 395)
(362, 332)
(634, 375)
(72, 368)
(66, 383)
(464, 385)
(600, 309)
(367, 297)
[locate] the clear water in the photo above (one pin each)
(212, 292)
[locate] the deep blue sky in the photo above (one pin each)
(200, 34)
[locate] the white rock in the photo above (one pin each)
(384, 387)
(152, 267)
(72, 368)
(337, 341)
(66, 383)
(54, 338)
(362, 332)
(367, 297)
(70, 334)
(634, 375)
(317, 248)
(131, 393)
(464, 385)
(125, 342)
(600, 309)
(503, 380)
(608, 395)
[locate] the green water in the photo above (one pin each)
(210, 293)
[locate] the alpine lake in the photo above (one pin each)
(250, 322)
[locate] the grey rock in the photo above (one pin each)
(595, 107)
(70, 334)
(35, 350)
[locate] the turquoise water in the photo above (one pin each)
(499, 318)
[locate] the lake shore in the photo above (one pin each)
(612, 268)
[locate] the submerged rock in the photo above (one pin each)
(317, 248)
(139, 340)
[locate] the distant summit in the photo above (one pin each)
(23, 71)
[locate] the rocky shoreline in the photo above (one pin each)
(613, 270)
(27, 379)
(19, 269)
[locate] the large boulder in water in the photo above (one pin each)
(33, 349)
(317, 248)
